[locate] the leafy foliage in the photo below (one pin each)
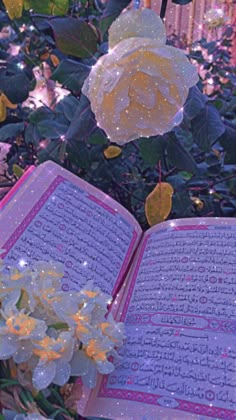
(46, 54)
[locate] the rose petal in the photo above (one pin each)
(144, 23)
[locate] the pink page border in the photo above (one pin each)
(8, 197)
(147, 398)
(186, 406)
(33, 212)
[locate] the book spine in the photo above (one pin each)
(7, 198)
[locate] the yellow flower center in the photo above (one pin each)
(17, 276)
(21, 325)
(4, 289)
(80, 320)
(49, 273)
(47, 295)
(46, 353)
(53, 273)
(104, 326)
(90, 293)
(95, 352)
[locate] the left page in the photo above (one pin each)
(56, 216)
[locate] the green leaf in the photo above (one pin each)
(44, 403)
(195, 102)
(7, 384)
(51, 152)
(67, 106)
(179, 156)
(48, 7)
(228, 142)
(15, 83)
(182, 205)
(59, 326)
(81, 155)
(41, 114)
(98, 137)
(152, 149)
(83, 123)
(111, 12)
(74, 37)
(51, 129)
(11, 130)
(71, 74)
(185, 137)
(32, 135)
(17, 170)
(18, 303)
(207, 127)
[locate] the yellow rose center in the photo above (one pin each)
(21, 325)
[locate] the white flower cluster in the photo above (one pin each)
(12, 415)
(58, 334)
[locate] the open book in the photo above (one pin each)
(174, 287)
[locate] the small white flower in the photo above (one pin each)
(47, 280)
(113, 330)
(17, 330)
(12, 282)
(12, 415)
(54, 357)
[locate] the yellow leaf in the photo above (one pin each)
(216, 153)
(17, 170)
(7, 103)
(158, 203)
(112, 152)
(14, 8)
(198, 203)
(3, 111)
(44, 56)
(55, 60)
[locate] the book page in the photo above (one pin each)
(59, 217)
(179, 358)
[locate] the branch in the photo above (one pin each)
(163, 8)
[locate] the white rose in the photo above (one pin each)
(140, 86)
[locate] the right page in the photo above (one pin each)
(179, 359)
